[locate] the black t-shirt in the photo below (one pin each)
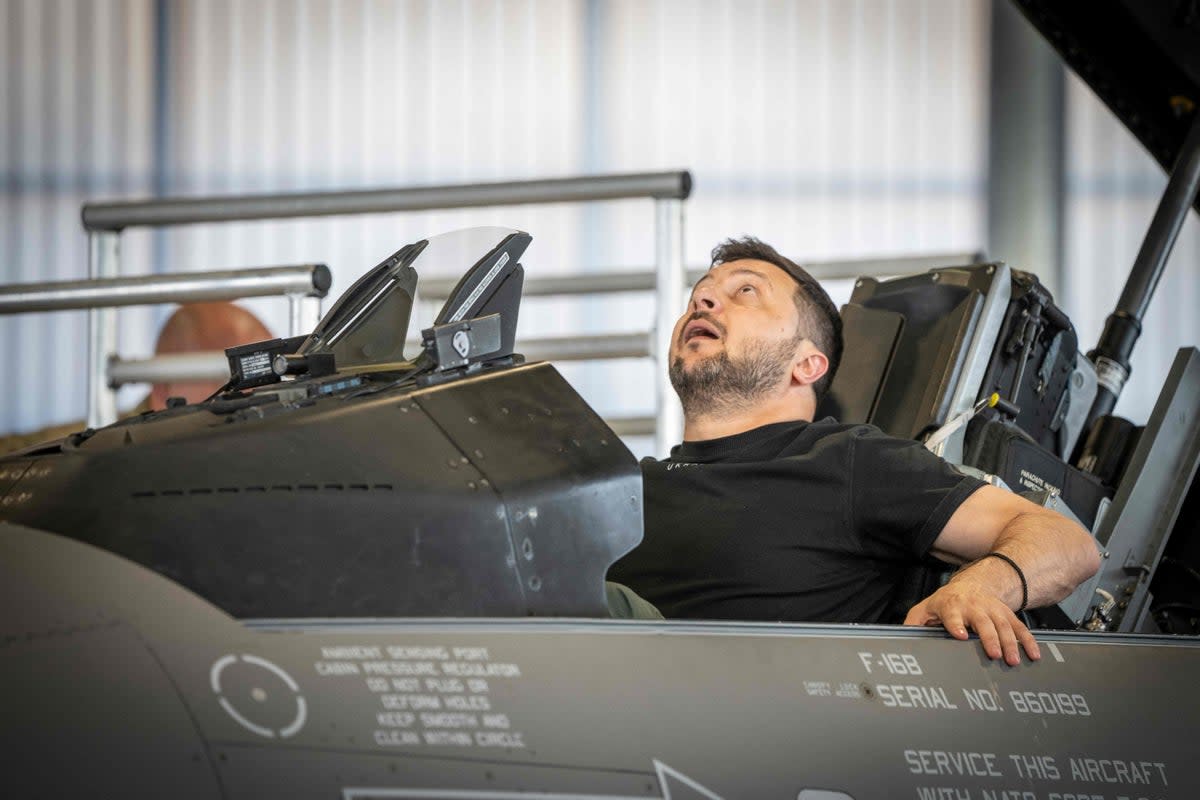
(793, 521)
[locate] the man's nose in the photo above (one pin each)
(705, 299)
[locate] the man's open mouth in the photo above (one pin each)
(700, 329)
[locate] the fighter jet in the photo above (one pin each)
(358, 572)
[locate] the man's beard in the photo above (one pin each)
(718, 384)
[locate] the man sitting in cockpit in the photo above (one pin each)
(763, 513)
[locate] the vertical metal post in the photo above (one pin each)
(304, 311)
(1124, 326)
(670, 277)
(1027, 131)
(103, 262)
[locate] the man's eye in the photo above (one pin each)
(747, 289)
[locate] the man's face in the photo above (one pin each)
(737, 339)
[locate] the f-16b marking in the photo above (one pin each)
(894, 663)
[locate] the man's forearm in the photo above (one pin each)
(1054, 554)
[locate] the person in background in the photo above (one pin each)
(198, 328)
(192, 328)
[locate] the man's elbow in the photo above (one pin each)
(1084, 559)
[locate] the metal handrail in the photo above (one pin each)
(608, 282)
(675, 185)
(169, 368)
(589, 283)
(309, 280)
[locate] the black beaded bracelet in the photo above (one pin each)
(1020, 574)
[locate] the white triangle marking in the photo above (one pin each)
(663, 771)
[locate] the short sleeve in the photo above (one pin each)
(902, 495)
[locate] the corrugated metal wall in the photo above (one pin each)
(282, 95)
(832, 128)
(75, 89)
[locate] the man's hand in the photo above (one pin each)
(962, 605)
(1053, 553)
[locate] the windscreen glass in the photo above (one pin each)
(452, 254)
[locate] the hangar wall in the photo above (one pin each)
(832, 129)
(76, 89)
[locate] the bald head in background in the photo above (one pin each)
(193, 328)
(198, 328)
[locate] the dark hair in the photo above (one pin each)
(820, 322)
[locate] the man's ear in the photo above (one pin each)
(810, 364)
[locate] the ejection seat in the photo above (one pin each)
(921, 350)
(916, 347)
